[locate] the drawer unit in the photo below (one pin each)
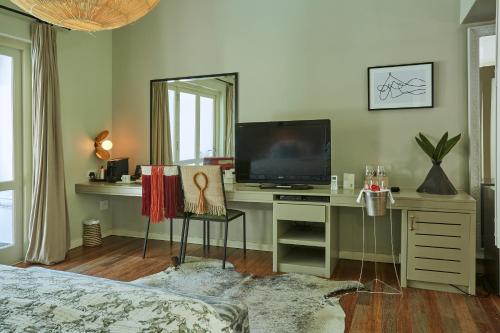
(300, 212)
(439, 247)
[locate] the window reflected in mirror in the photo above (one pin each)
(487, 61)
(193, 118)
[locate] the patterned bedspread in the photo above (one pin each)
(42, 300)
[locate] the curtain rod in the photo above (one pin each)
(27, 15)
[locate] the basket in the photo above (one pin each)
(376, 203)
(92, 233)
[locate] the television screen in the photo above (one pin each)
(283, 152)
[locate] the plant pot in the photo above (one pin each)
(437, 182)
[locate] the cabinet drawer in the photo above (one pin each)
(306, 213)
(438, 247)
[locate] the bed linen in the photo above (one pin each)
(43, 300)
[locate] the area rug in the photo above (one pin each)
(281, 303)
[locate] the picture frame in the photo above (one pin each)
(407, 86)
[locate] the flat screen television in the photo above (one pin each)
(283, 152)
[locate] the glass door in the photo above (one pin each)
(11, 222)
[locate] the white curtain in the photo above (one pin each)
(48, 223)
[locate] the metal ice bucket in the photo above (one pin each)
(376, 203)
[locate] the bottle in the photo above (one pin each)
(101, 173)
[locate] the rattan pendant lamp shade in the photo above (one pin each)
(87, 15)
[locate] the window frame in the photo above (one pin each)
(198, 91)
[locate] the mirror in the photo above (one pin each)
(193, 118)
(481, 119)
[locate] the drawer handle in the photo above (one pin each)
(413, 220)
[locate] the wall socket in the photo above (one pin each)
(103, 204)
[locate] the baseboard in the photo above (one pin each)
(79, 241)
(194, 240)
(351, 255)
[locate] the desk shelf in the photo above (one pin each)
(297, 236)
(305, 260)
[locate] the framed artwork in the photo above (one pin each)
(408, 86)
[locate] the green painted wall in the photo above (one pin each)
(85, 74)
(301, 59)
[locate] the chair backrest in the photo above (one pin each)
(203, 190)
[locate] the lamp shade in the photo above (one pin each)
(102, 146)
(87, 15)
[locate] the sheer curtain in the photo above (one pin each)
(229, 122)
(48, 231)
(161, 146)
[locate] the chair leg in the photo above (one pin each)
(225, 246)
(171, 231)
(204, 234)
(181, 248)
(244, 235)
(208, 235)
(185, 240)
(146, 239)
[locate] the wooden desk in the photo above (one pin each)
(441, 255)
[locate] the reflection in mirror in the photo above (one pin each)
(193, 118)
(487, 59)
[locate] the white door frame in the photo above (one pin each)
(22, 184)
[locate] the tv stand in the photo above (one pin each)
(285, 186)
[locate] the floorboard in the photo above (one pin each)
(120, 258)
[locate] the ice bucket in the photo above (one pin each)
(376, 203)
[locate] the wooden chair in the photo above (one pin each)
(205, 200)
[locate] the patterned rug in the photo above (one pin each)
(282, 303)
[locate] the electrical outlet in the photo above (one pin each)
(103, 205)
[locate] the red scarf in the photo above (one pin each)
(161, 195)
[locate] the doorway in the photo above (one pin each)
(11, 169)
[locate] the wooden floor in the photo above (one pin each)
(120, 258)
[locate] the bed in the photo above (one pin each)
(42, 300)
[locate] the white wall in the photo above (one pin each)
(301, 59)
(85, 75)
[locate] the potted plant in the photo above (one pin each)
(436, 181)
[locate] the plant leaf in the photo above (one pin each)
(426, 141)
(450, 144)
(440, 147)
(428, 149)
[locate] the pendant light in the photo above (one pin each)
(87, 15)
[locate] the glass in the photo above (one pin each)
(6, 116)
(187, 126)
(369, 171)
(6, 218)
(171, 115)
(207, 128)
(380, 171)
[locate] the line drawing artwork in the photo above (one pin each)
(394, 87)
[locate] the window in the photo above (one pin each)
(194, 116)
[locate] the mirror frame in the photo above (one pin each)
(236, 99)
(474, 117)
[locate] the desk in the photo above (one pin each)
(437, 232)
